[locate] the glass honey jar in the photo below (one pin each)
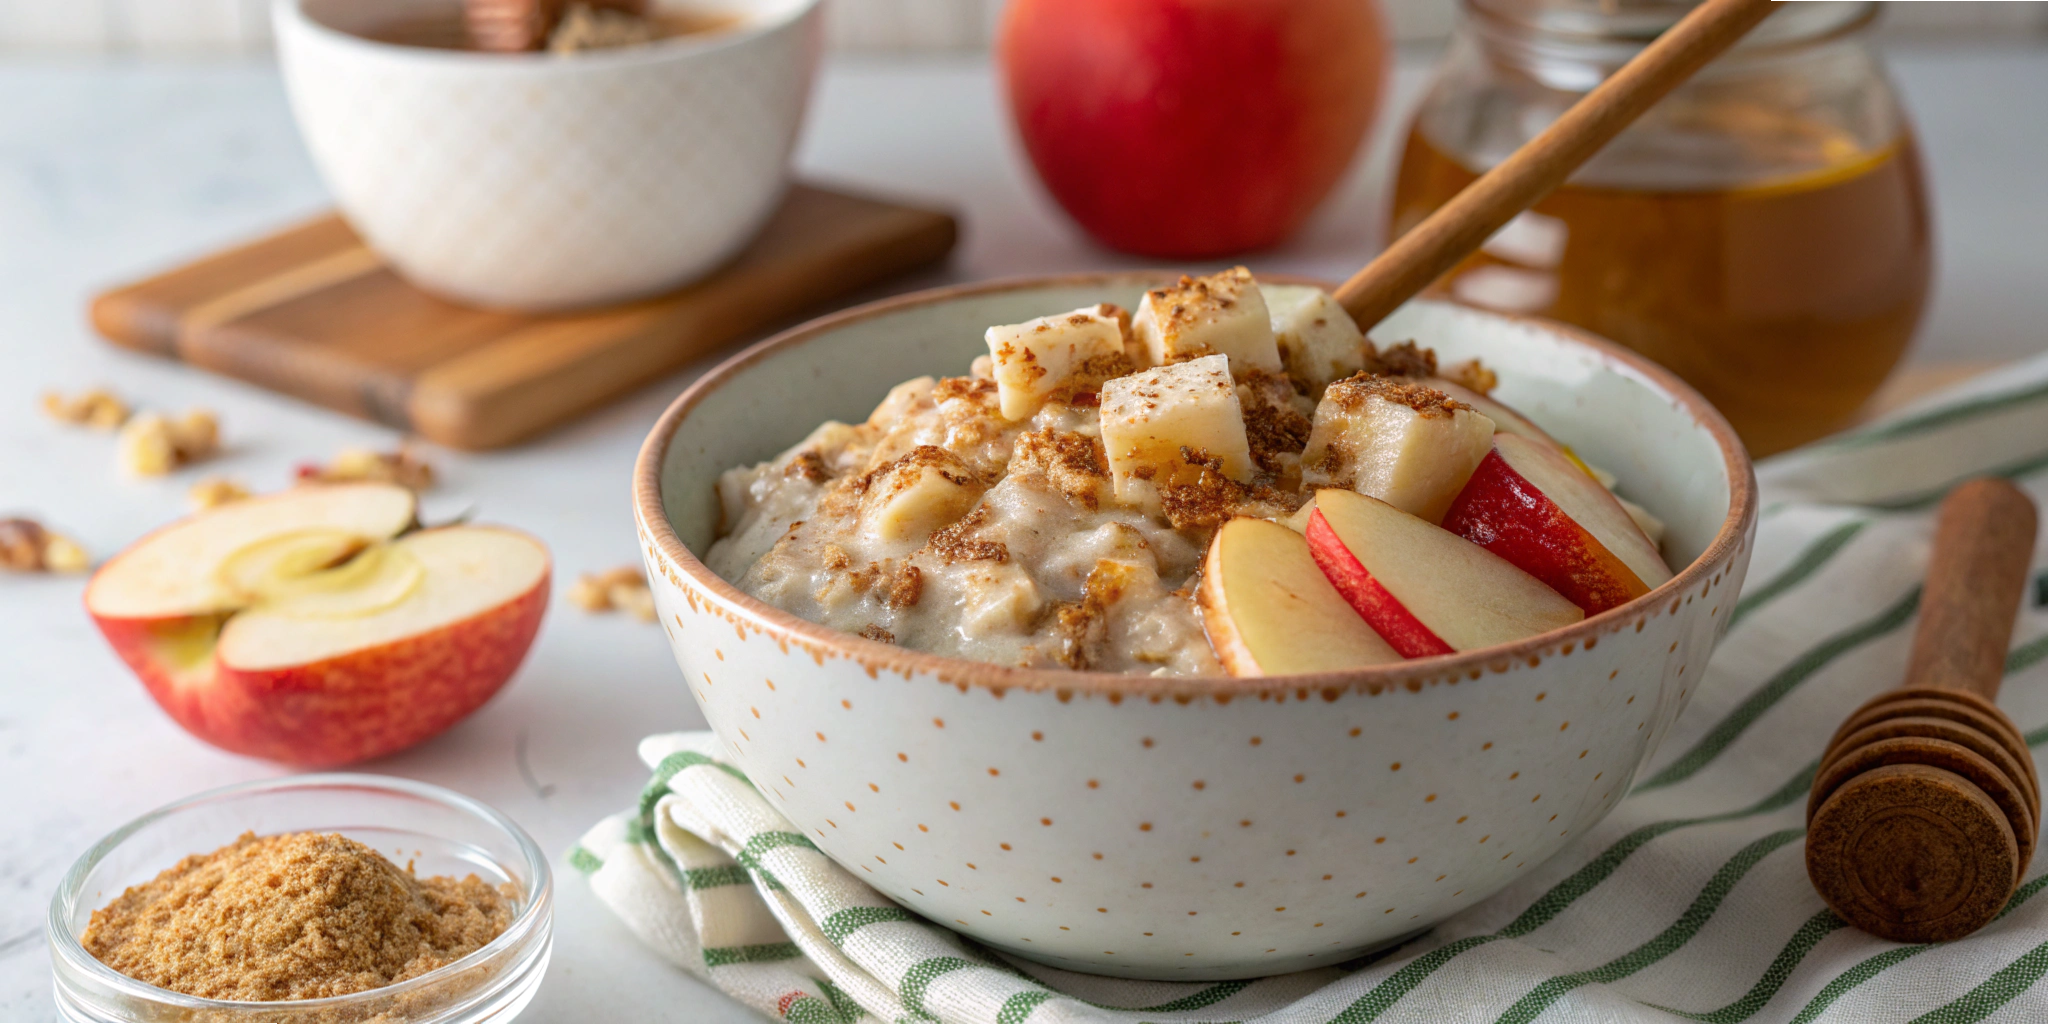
(1763, 231)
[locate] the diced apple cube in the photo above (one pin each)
(1150, 416)
(1222, 314)
(927, 488)
(1032, 359)
(1408, 445)
(1318, 341)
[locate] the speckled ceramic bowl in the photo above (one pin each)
(1190, 828)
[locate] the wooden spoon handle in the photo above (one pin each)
(1544, 162)
(1983, 545)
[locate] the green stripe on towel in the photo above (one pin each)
(673, 765)
(1996, 991)
(1778, 686)
(767, 953)
(1940, 417)
(715, 877)
(1018, 1007)
(1595, 871)
(1816, 928)
(1681, 931)
(842, 923)
(1802, 568)
(1876, 965)
(1923, 499)
(920, 977)
(1383, 996)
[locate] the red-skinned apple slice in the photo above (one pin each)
(293, 627)
(1422, 588)
(1269, 611)
(1528, 504)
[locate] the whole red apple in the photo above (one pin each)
(1191, 129)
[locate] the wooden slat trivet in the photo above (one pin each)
(313, 313)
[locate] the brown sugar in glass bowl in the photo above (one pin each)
(382, 900)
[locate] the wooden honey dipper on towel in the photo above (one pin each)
(1926, 805)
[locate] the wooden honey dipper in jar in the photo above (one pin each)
(1926, 806)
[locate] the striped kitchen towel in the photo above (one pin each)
(1689, 902)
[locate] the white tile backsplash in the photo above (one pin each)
(54, 24)
(188, 26)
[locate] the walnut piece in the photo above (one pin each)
(621, 589)
(215, 491)
(401, 467)
(584, 27)
(153, 444)
(1473, 374)
(26, 546)
(98, 408)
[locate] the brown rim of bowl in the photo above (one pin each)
(1412, 675)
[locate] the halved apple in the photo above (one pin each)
(306, 627)
(1530, 505)
(1425, 590)
(1269, 611)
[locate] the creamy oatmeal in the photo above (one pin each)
(1053, 508)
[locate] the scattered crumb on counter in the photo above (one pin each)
(153, 444)
(399, 467)
(27, 546)
(215, 491)
(621, 589)
(98, 408)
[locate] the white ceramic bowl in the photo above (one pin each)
(539, 181)
(1190, 828)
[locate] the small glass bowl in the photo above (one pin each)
(436, 831)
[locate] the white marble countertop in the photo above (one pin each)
(109, 170)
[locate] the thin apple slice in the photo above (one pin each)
(1651, 526)
(1506, 420)
(1269, 611)
(176, 571)
(1422, 588)
(1530, 505)
(446, 576)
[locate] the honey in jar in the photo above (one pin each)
(1763, 232)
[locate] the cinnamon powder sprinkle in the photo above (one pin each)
(297, 916)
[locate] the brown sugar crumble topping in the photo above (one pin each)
(1403, 360)
(1473, 374)
(1352, 393)
(1074, 464)
(1053, 507)
(298, 916)
(953, 543)
(1272, 427)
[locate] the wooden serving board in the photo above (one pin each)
(314, 313)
